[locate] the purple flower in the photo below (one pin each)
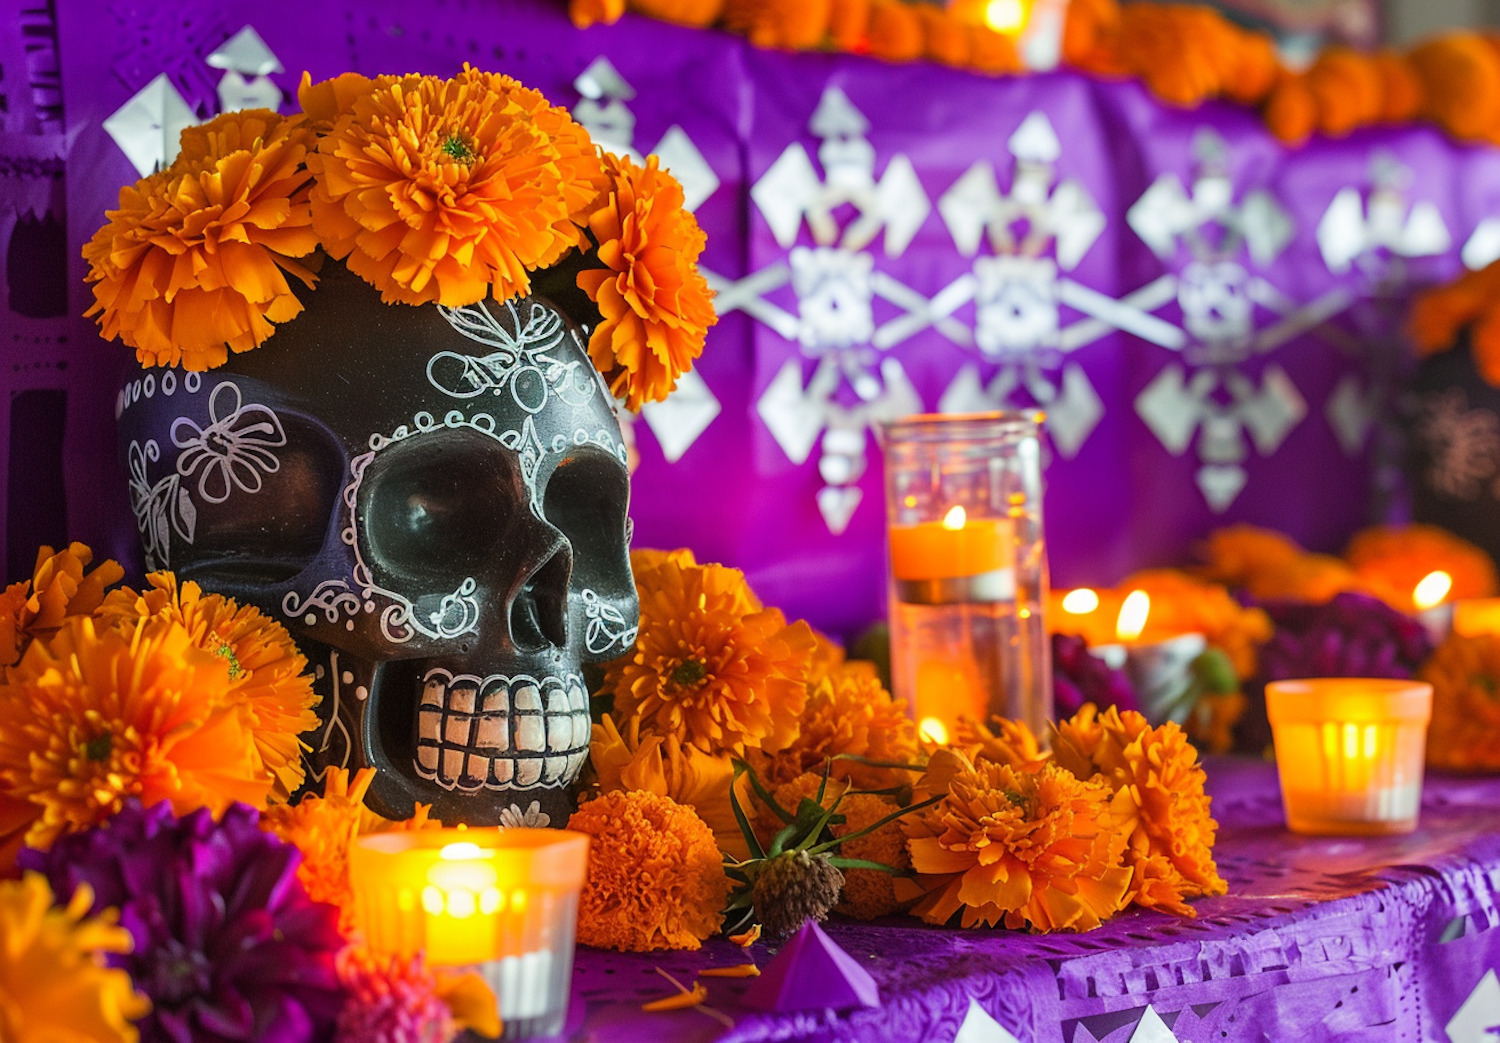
(1353, 635)
(1079, 677)
(227, 944)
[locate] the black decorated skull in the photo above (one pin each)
(435, 502)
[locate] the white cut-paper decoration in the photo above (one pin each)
(1483, 246)
(148, 126)
(245, 53)
(1347, 232)
(1478, 1018)
(681, 158)
(1151, 1029)
(979, 1027)
(1350, 411)
(683, 416)
(237, 92)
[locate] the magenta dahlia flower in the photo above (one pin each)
(1353, 635)
(1080, 677)
(390, 1001)
(227, 944)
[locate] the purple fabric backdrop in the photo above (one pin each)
(1123, 495)
(1319, 940)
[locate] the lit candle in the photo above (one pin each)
(1350, 752)
(957, 547)
(1476, 616)
(1159, 669)
(501, 901)
(1134, 612)
(1429, 598)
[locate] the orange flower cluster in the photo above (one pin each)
(889, 29)
(324, 827)
(711, 668)
(657, 308)
(1159, 802)
(1184, 53)
(1440, 315)
(655, 878)
(195, 261)
(1271, 566)
(1464, 734)
(169, 694)
(431, 190)
(1391, 560)
(1021, 848)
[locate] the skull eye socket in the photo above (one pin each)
(587, 498)
(437, 508)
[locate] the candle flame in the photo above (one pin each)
(1005, 16)
(1080, 602)
(933, 730)
(460, 851)
(956, 518)
(1432, 590)
(1133, 614)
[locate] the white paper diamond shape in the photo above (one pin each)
(147, 127)
(246, 53)
(787, 414)
(1270, 415)
(681, 158)
(966, 393)
(1034, 140)
(1074, 413)
(686, 414)
(1478, 1020)
(979, 1027)
(1220, 485)
(837, 505)
(1350, 413)
(258, 92)
(1483, 247)
(1170, 409)
(602, 80)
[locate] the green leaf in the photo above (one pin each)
(872, 827)
(897, 765)
(760, 791)
(751, 841)
(779, 842)
(839, 862)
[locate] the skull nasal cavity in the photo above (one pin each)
(539, 611)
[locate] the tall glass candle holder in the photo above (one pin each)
(968, 569)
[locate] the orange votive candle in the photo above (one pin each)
(953, 548)
(1476, 617)
(1350, 752)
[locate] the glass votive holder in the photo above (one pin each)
(500, 902)
(968, 569)
(1350, 752)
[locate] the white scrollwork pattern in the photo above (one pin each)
(607, 627)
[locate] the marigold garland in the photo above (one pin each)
(1440, 315)
(267, 675)
(707, 669)
(95, 716)
(1002, 846)
(655, 878)
(1159, 801)
(1391, 560)
(657, 308)
(1464, 734)
(54, 985)
(195, 261)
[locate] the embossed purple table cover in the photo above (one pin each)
(1319, 940)
(1129, 495)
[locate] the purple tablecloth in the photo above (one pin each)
(1380, 940)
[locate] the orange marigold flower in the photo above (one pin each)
(847, 22)
(849, 712)
(1401, 90)
(655, 876)
(631, 761)
(1291, 111)
(95, 716)
(1090, 34)
(795, 25)
(992, 52)
(1439, 315)
(16, 817)
(267, 675)
(195, 261)
(895, 31)
(324, 827)
(60, 587)
(441, 190)
(1348, 89)
(1254, 70)
(54, 984)
(1390, 560)
(657, 307)
(1012, 744)
(325, 101)
(1460, 77)
(683, 12)
(944, 38)
(1464, 734)
(1020, 848)
(708, 671)
(870, 893)
(585, 13)
(1159, 802)
(1236, 554)
(1176, 50)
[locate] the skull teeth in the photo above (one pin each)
(501, 733)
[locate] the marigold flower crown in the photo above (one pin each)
(431, 190)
